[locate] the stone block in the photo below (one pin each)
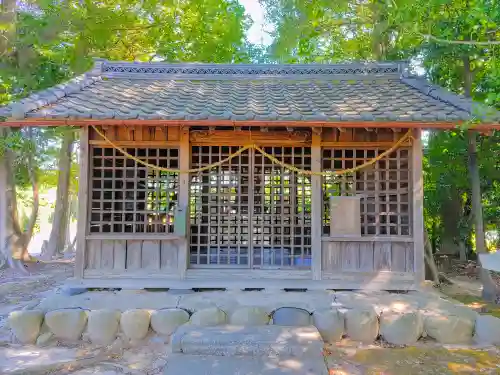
(330, 324)
(26, 324)
(249, 316)
(211, 316)
(255, 341)
(103, 326)
(487, 330)
(291, 316)
(448, 329)
(401, 328)
(135, 323)
(166, 321)
(362, 324)
(67, 324)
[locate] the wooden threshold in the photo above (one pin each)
(169, 283)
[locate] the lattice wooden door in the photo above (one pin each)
(281, 215)
(219, 209)
(250, 212)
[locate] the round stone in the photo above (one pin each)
(249, 316)
(135, 323)
(66, 324)
(487, 330)
(362, 324)
(25, 324)
(449, 329)
(291, 316)
(401, 328)
(330, 324)
(166, 321)
(211, 316)
(103, 326)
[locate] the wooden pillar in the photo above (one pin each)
(418, 209)
(183, 202)
(316, 206)
(83, 203)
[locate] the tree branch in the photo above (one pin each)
(461, 42)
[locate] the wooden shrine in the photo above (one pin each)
(249, 222)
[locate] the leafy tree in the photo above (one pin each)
(45, 42)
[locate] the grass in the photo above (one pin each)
(429, 360)
(478, 304)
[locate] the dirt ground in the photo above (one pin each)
(345, 358)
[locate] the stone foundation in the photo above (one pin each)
(101, 317)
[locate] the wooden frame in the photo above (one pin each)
(316, 208)
(418, 207)
(83, 203)
(378, 260)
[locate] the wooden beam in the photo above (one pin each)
(316, 208)
(142, 144)
(361, 144)
(442, 125)
(418, 208)
(183, 201)
(317, 130)
(83, 203)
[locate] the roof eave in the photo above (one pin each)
(443, 125)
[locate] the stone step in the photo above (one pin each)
(242, 365)
(256, 341)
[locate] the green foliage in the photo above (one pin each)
(326, 31)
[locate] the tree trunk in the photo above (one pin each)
(429, 258)
(489, 292)
(451, 213)
(58, 239)
(7, 26)
(489, 287)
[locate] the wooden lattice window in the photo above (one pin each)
(384, 188)
(127, 197)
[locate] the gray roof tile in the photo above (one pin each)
(357, 92)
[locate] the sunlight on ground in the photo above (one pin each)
(429, 360)
(477, 304)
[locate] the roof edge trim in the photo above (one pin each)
(112, 69)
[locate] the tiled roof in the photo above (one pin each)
(353, 92)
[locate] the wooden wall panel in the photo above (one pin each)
(169, 254)
(120, 255)
(150, 255)
(367, 256)
(331, 258)
(398, 257)
(107, 254)
(134, 254)
(382, 256)
(350, 256)
(93, 254)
